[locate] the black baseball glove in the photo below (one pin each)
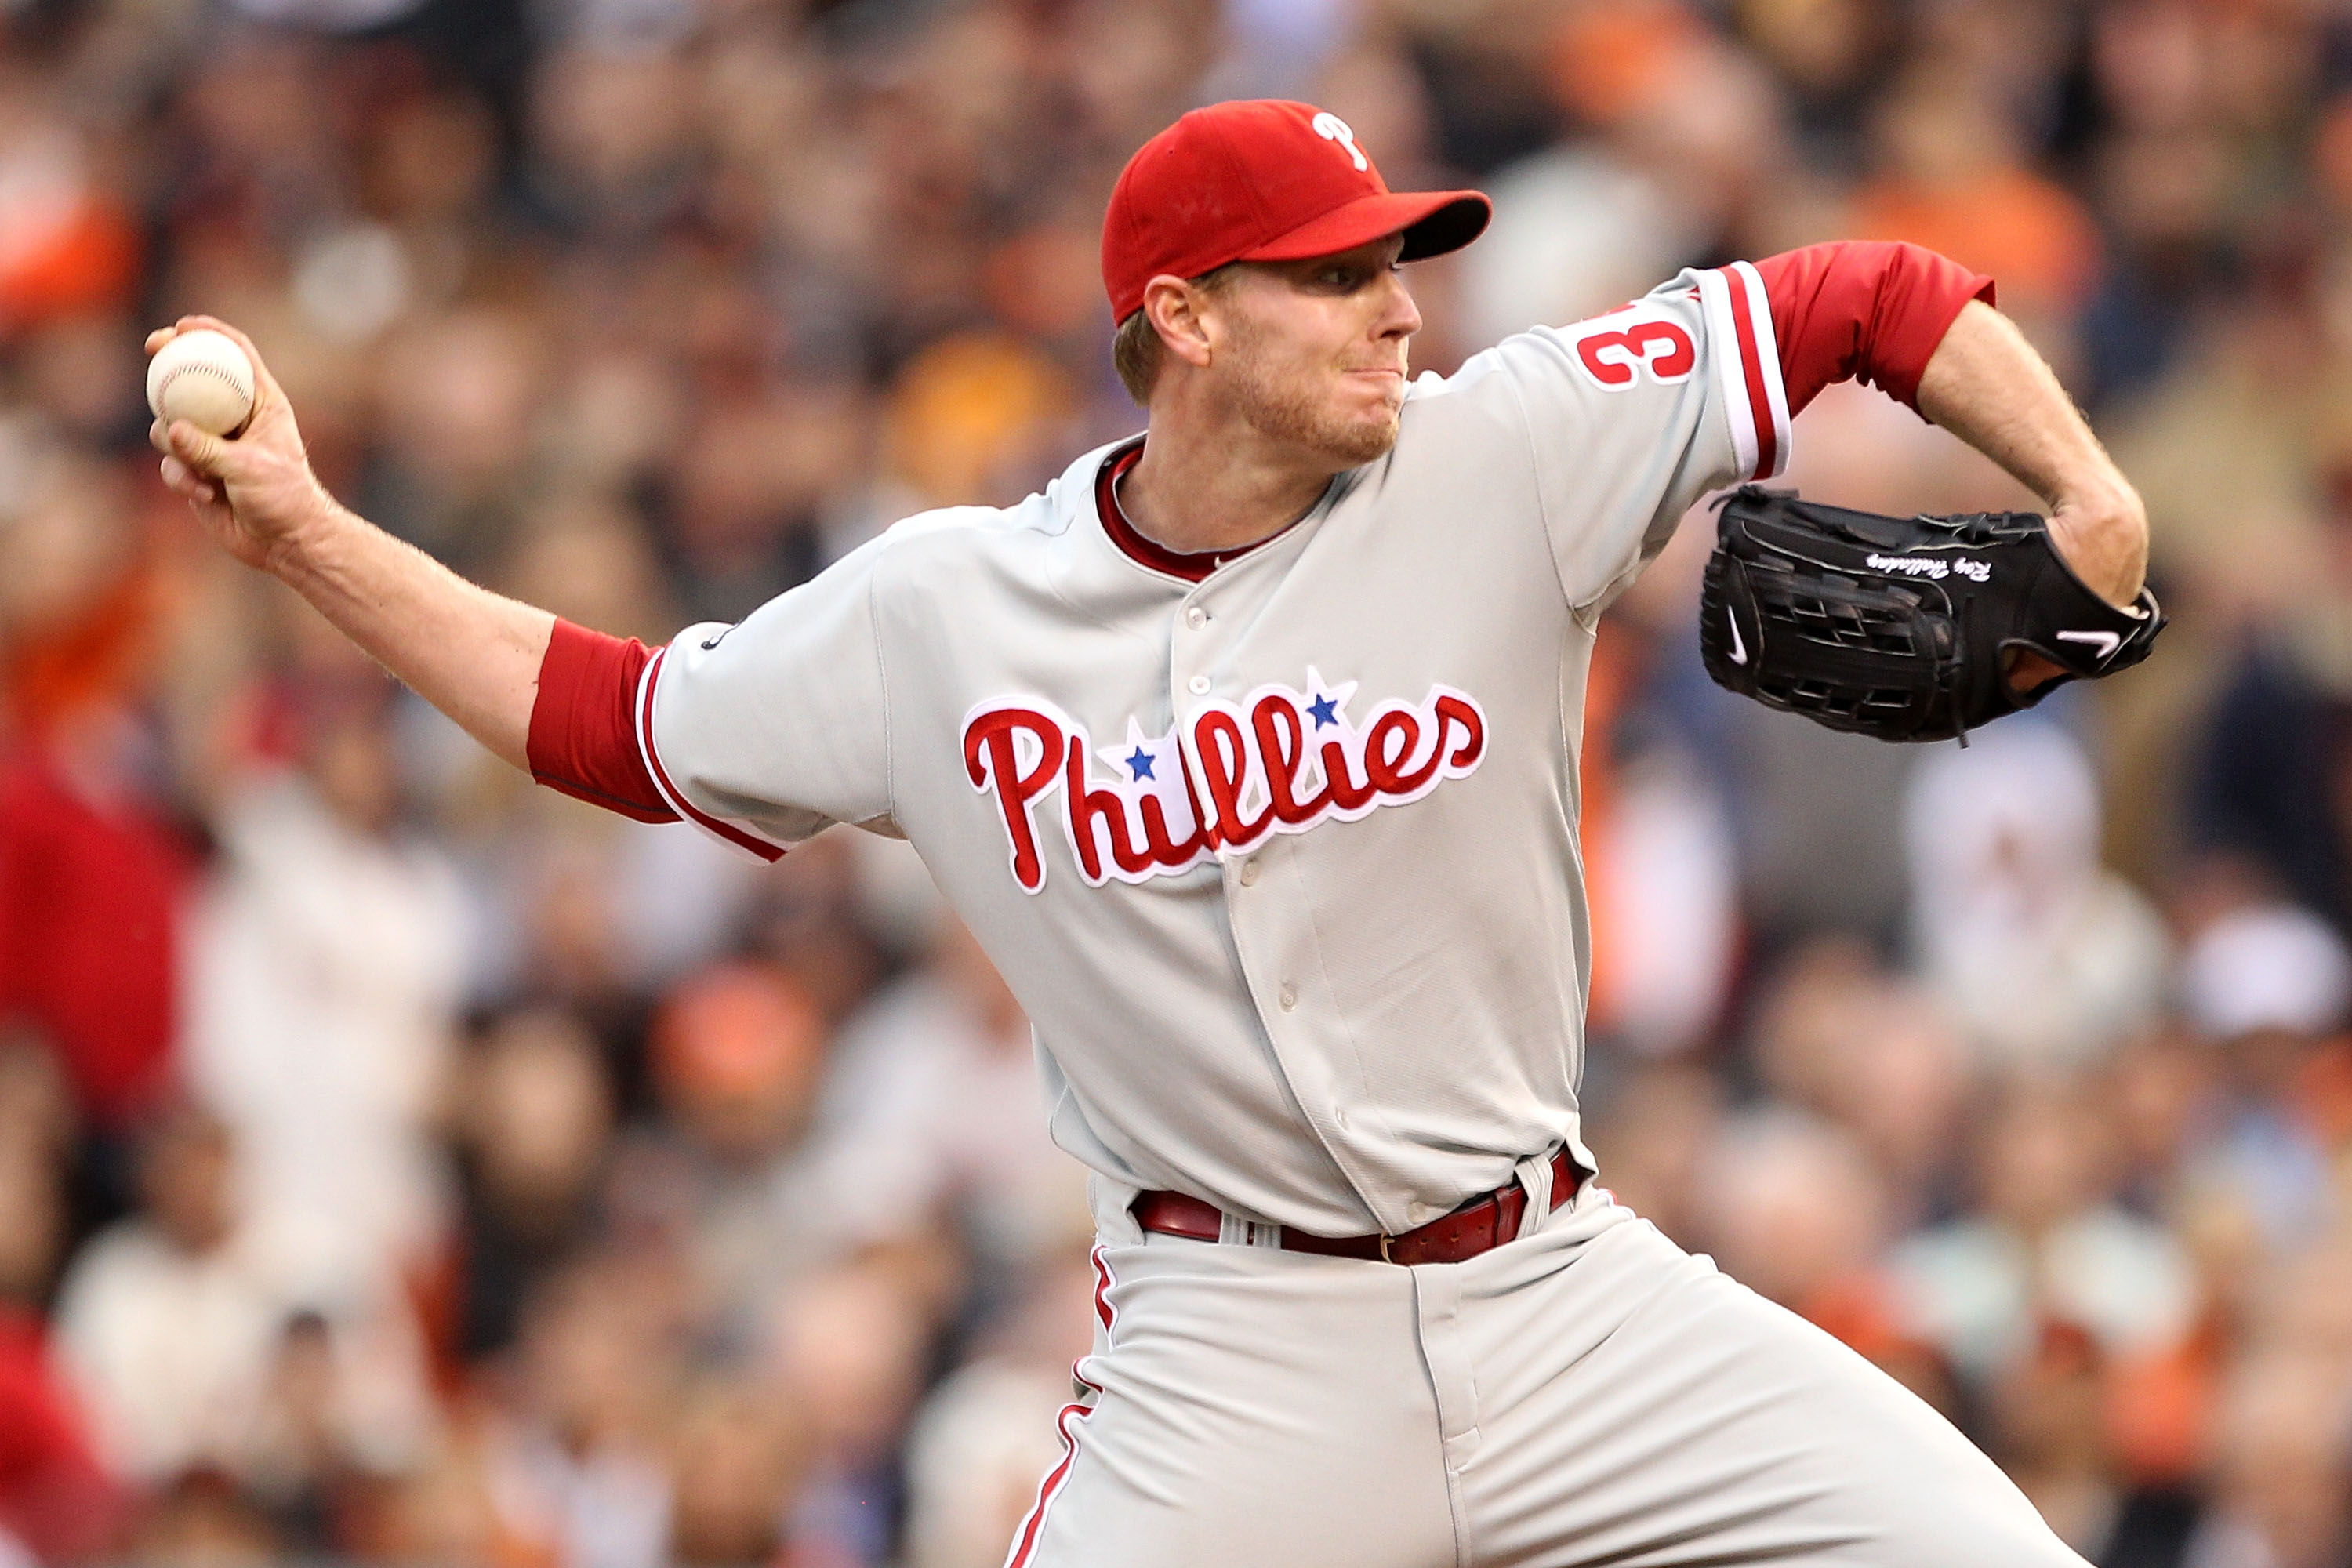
(1899, 626)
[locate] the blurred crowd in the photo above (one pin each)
(401, 1164)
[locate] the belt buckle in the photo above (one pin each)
(1386, 1256)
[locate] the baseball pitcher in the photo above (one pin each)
(1248, 748)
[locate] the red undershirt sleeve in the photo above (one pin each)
(584, 736)
(1871, 308)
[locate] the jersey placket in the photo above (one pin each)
(1254, 880)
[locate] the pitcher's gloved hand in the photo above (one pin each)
(1905, 628)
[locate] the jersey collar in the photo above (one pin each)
(1191, 567)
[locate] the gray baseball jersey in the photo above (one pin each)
(1282, 862)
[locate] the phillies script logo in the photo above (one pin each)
(1280, 761)
(1614, 355)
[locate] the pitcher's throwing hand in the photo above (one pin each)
(253, 491)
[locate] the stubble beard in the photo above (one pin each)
(1292, 410)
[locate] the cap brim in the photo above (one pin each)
(1433, 223)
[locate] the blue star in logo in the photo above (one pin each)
(1325, 712)
(1140, 764)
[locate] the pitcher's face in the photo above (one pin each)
(1314, 352)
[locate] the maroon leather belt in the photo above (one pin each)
(1467, 1231)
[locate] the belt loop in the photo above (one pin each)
(1534, 1174)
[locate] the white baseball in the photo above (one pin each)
(202, 377)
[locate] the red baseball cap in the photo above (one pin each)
(1263, 180)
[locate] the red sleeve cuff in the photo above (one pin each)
(1871, 308)
(583, 737)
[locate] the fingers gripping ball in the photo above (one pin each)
(202, 377)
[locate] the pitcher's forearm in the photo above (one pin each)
(1987, 385)
(472, 654)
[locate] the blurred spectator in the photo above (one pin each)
(90, 877)
(1868, 1050)
(1575, 232)
(1690, 128)
(940, 1112)
(576, 1462)
(2270, 766)
(738, 1456)
(2046, 959)
(70, 246)
(764, 1196)
(848, 1350)
(323, 984)
(1793, 1210)
(2268, 985)
(814, 919)
(2048, 1426)
(751, 483)
(38, 1121)
(163, 1321)
(2267, 971)
(56, 1501)
(202, 1517)
(171, 1331)
(2279, 1491)
(308, 1458)
(1828, 53)
(2048, 1244)
(978, 418)
(537, 1125)
(457, 395)
(1652, 1135)
(444, 1510)
(2164, 1087)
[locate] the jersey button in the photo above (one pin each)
(1419, 1213)
(1197, 685)
(1290, 997)
(1249, 873)
(1196, 617)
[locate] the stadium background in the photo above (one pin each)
(399, 1164)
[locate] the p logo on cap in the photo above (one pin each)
(1255, 180)
(1332, 127)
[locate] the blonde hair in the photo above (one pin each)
(1136, 350)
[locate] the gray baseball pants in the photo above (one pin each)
(1589, 1393)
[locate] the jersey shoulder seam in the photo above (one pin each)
(939, 522)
